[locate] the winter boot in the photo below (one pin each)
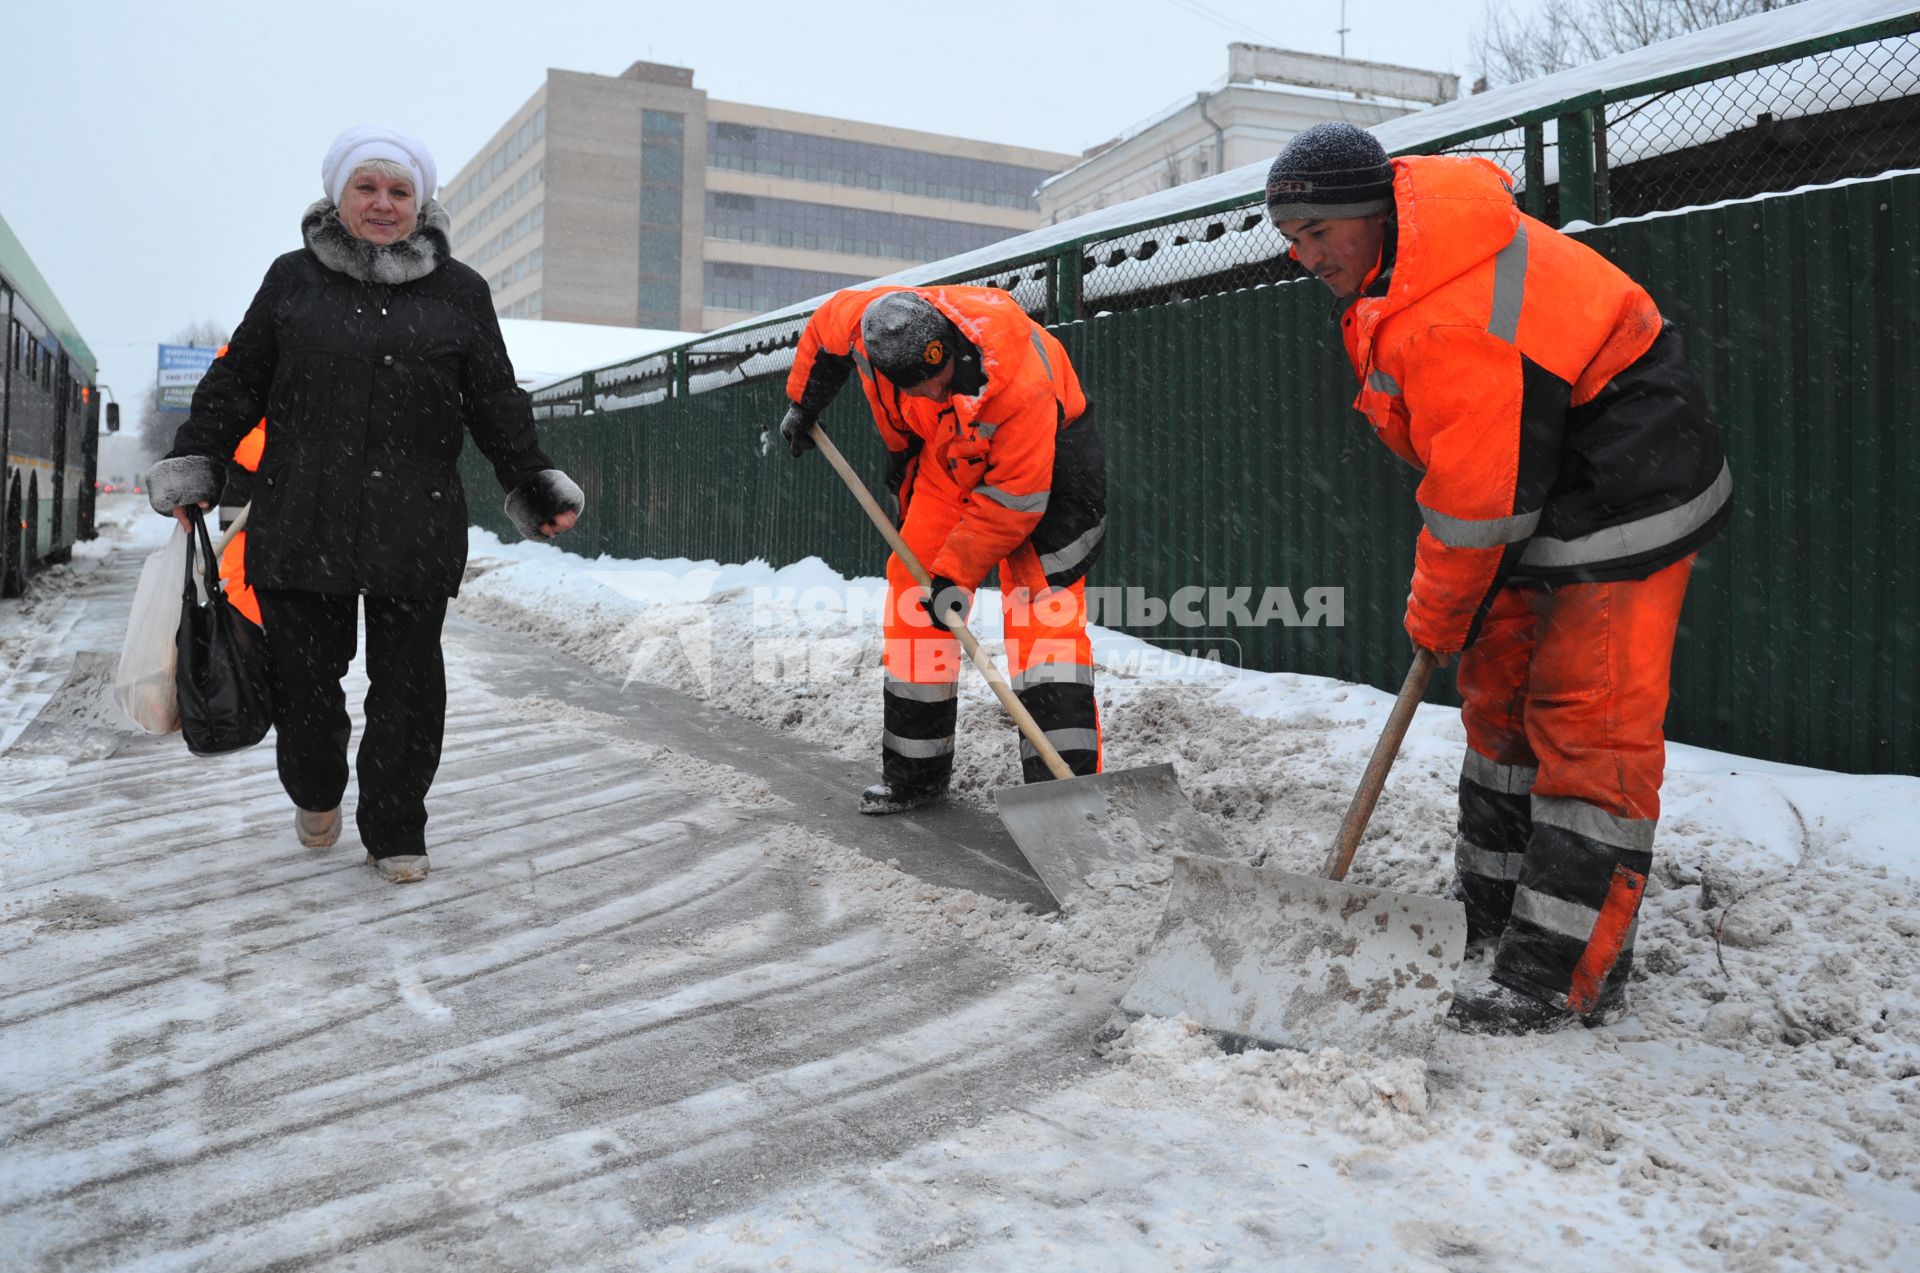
(317, 830)
(883, 798)
(1613, 1003)
(1486, 910)
(401, 868)
(1491, 1008)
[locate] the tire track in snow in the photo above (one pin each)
(307, 873)
(256, 1050)
(266, 811)
(469, 1063)
(794, 1120)
(260, 793)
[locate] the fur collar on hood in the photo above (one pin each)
(415, 256)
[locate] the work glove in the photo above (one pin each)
(796, 426)
(946, 597)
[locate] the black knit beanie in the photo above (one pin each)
(1329, 171)
(907, 338)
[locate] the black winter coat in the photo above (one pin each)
(369, 365)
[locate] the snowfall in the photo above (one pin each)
(666, 1002)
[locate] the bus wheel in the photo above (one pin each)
(13, 579)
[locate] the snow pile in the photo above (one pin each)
(1756, 1110)
(34, 640)
(1382, 1101)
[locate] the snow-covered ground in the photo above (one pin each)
(1756, 1111)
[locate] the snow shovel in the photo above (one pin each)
(1078, 825)
(1273, 959)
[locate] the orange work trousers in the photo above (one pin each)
(1564, 700)
(1049, 658)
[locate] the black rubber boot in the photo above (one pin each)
(882, 798)
(1488, 1007)
(1484, 1006)
(1486, 904)
(1613, 1002)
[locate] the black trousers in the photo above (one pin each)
(313, 636)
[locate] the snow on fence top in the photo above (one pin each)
(1716, 114)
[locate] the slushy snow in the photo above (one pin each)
(1756, 1111)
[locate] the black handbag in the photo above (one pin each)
(223, 678)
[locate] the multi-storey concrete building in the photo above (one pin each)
(637, 200)
(1267, 96)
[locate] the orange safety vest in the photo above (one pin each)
(996, 447)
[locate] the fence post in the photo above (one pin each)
(589, 393)
(1602, 198)
(1535, 195)
(682, 377)
(1066, 284)
(1576, 166)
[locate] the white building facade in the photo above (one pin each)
(1267, 97)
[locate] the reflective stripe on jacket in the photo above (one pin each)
(1560, 434)
(996, 445)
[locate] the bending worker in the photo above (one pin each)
(994, 461)
(1571, 469)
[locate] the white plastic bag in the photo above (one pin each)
(144, 686)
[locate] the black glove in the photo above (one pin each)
(947, 597)
(796, 426)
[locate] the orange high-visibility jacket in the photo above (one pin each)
(233, 561)
(1560, 434)
(996, 445)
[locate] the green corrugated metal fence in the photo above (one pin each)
(1237, 463)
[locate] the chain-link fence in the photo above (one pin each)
(1852, 111)
(1810, 115)
(1285, 502)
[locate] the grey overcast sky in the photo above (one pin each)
(155, 155)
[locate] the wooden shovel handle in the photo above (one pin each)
(239, 524)
(1029, 727)
(1384, 751)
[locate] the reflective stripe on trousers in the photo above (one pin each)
(1564, 698)
(1049, 659)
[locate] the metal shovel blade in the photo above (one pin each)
(1283, 960)
(1070, 828)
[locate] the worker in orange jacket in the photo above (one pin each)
(1570, 471)
(233, 558)
(994, 461)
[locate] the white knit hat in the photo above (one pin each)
(377, 141)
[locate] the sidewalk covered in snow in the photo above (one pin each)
(667, 1002)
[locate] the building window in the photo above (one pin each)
(758, 288)
(838, 161)
(529, 221)
(659, 253)
(819, 227)
(660, 205)
(521, 187)
(662, 196)
(660, 296)
(502, 157)
(528, 264)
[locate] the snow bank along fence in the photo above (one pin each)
(1236, 462)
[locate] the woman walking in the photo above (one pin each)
(371, 352)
